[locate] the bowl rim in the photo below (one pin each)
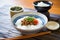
(13, 17)
(40, 1)
(29, 13)
(16, 6)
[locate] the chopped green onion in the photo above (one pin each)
(30, 19)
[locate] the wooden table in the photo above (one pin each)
(29, 4)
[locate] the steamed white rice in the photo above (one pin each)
(42, 4)
(29, 27)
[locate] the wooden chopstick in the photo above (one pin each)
(30, 35)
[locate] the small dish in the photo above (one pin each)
(52, 25)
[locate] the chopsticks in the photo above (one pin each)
(30, 35)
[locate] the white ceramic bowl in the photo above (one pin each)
(42, 17)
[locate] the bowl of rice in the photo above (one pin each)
(29, 22)
(41, 6)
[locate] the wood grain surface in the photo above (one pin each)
(29, 4)
(29, 36)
